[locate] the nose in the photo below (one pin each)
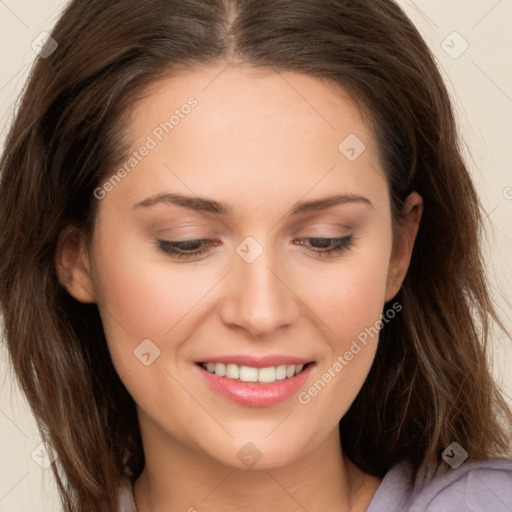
(258, 297)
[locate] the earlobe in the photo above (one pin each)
(73, 266)
(404, 244)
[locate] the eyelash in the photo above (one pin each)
(178, 249)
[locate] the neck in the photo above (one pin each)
(179, 478)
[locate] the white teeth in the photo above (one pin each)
(248, 374)
(232, 371)
(220, 369)
(267, 374)
(251, 374)
(281, 372)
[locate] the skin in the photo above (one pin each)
(259, 142)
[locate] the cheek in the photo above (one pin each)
(349, 295)
(349, 303)
(148, 298)
(140, 297)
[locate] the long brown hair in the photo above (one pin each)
(429, 384)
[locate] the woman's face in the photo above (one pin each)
(268, 168)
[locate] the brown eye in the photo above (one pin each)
(328, 246)
(185, 248)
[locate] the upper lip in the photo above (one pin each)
(257, 362)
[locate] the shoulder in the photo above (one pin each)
(476, 487)
(127, 504)
(473, 487)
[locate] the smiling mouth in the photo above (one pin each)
(251, 374)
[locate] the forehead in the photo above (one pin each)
(251, 130)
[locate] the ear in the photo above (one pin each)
(403, 244)
(73, 266)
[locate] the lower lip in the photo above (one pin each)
(254, 394)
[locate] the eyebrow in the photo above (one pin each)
(203, 204)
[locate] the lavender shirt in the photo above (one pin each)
(484, 486)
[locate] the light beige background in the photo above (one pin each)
(480, 80)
